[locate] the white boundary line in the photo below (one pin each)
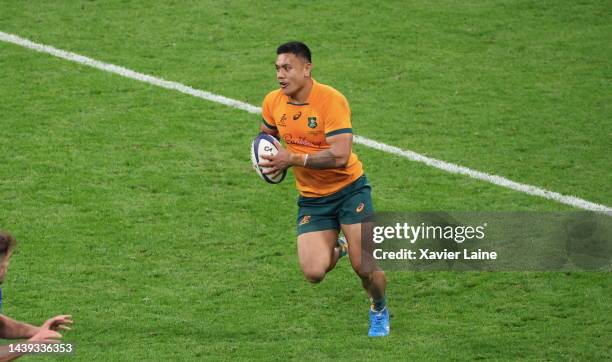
(413, 156)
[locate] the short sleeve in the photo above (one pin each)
(338, 117)
(266, 112)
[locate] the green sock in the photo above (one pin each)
(380, 304)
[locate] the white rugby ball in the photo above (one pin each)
(263, 144)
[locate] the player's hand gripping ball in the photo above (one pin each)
(263, 144)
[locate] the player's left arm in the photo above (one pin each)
(338, 135)
(336, 156)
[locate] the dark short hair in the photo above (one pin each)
(6, 241)
(296, 48)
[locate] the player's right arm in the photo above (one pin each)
(268, 123)
(47, 333)
(271, 131)
(12, 329)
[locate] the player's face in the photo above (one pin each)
(292, 73)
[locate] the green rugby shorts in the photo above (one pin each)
(346, 206)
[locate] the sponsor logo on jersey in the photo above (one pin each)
(289, 139)
(297, 116)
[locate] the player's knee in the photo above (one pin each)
(360, 271)
(363, 273)
(371, 274)
(314, 275)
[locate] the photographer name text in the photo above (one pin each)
(422, 232)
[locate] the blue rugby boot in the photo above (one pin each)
(379, 323)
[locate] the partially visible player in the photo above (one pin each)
(314, 121)
(12, 329)
(7, 246)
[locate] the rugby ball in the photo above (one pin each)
(263, 144)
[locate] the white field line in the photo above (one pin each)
(413, 156)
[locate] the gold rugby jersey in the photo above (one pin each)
(304, 128)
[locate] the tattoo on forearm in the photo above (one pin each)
(322, 160)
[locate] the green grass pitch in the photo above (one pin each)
(138, 212)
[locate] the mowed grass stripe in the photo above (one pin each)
(411, 155)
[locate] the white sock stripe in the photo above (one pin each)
(411, 155)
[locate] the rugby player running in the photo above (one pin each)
(314, 120)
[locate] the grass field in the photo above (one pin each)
(138, 211)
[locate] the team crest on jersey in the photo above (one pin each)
(312, 122)
(305, 220)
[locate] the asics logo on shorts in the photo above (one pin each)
(305, 220)
(360, 207)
